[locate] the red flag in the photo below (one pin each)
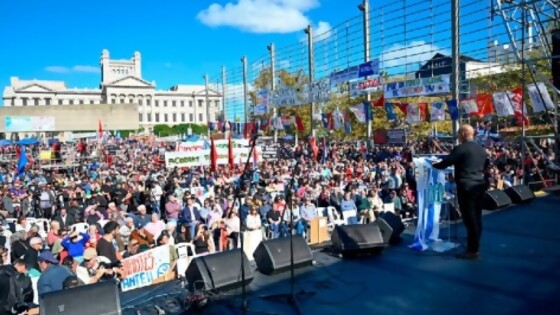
(517, 101)
(423, 108)
(213, 155)
(402, 107)
(299, 124)
(100, 129)
(330, 121)
(485, 104)
(230, 153)
(380, 102)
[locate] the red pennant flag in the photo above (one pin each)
(100, 129)
(485, 104)
(517, 101)
(402, 107)
(213, 156)
(299, 124)
(230, 153)
(423, 108)
(330, 121)
(380, 102)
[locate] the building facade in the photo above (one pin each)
(122, 83)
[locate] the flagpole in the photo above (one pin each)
(523, 83)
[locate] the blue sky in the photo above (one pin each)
(181, 40)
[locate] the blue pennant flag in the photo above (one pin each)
(453, 110)
(390, 109)
(22, 162)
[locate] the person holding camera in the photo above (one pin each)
(203, 242)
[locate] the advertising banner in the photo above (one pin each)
(419, 87)
(362, 87)
(187, 158)
(29, 123)
(147, 268)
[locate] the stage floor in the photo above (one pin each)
(518, 273)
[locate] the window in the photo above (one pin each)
(182, 117)
(71, 102)
(182, 103)
(92, 102)
(218, 104)
(140, 102)
(200, 117)
(60, 102)
(190, 104)
(165, 118)
(149, 117)
(174, 117)
(200, 102)
(140, 117)
(113, 101)
(148, 102)
(122, 100)
(131, 101)
(36, 101)
(174, 104)
(164, 103)
(157, 103)
(12, 101)
(24, 101)
(191, 117)
(157, 117)
(47, 101)
(81, 102)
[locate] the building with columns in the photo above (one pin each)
(122, 83)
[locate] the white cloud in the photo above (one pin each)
(417, 52)
(85, 69)
(57, 69)
(75, 69)
(260, 16)
(322, 31)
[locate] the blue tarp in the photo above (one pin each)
(53, 141)
(4, 143)
(28, 141)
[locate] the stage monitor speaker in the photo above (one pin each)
(555, 35)
(520, 194)
(71, 301)
(273, 256)
(391, 227)
(218, 272)
(357, 239)
(495, 199)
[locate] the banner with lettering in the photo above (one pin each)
(284, 96)
(191, 146)
(188, 158)
(419, 87)
(503, 104)
(147, 268)
(362, 87)
(263, 100)
(539, 97)
(317, 91)
(430, 184)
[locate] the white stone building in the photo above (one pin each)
(122, 82)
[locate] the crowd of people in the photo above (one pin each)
(72, 224)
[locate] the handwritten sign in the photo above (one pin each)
(418, 87)
(146, 268)
(187, 158)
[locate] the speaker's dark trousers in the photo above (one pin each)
(470, 205)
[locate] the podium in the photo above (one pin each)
(318, 230)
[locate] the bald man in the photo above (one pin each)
(469, 159)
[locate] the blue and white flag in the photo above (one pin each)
(431, 196)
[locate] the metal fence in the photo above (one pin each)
(405, 36)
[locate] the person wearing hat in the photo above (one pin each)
(52, 275)
(32, 252)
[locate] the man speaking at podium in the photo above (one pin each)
(469, 159)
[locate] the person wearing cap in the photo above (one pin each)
(52, 275)
(90, 271)
(32, 252)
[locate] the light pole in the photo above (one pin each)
(311, 65)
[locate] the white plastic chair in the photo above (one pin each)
(44, 225)
(389, 207)
(334, 218)
(11, 220)
(80, 227)
(186, 253)
(322, 212)
(102, 223)
(349, 214)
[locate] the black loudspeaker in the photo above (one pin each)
(495, 199)
(71, 301)
(391, 227)
(218, 272)
(555, 35)
(273, 256)
(520, 194)
(357, 239)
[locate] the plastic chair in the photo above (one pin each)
(334, 218)
(102, 223)
(349, 214)
(80, 227)
(44, 225)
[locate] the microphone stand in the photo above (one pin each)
(291, 297)
(245, 303)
